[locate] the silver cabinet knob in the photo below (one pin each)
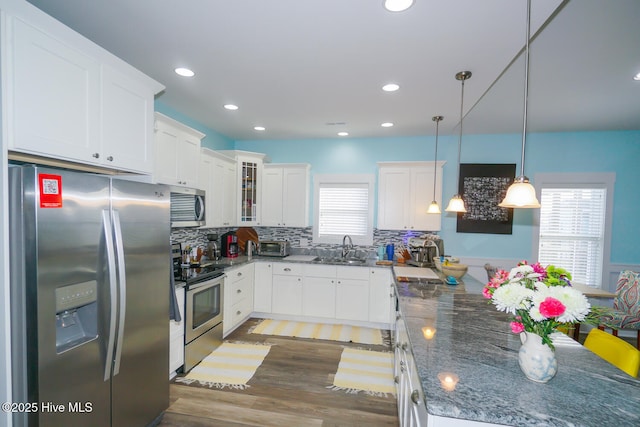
(110, 158)
(415, 396)
(96, 155)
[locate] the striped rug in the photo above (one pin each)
(367, 371)
(321, 331)
(230, 365)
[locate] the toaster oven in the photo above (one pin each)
(279, 248)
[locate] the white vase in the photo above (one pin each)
(537, 360)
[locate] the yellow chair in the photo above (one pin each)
(614, 350)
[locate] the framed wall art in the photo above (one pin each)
(482, 187)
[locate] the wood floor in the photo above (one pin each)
(288, 389)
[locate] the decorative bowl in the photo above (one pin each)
(456, 270)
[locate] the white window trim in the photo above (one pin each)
(579, 180)
(318, 179)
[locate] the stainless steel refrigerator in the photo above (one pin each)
(90, 265)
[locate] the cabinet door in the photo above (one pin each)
(53, 101)
(421, 197)
(352, 299)
(250, 173)
(393, 198)
(228, 200)
(206, 171)
(167, 141)
(295, 197)
(319, 297)
(263, 292)
(127, 123)
(287, 295)
(188, 156)
(380, 283)
(272, 188)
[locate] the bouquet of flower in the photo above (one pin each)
(539, 299)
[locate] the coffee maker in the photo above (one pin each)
(423, 251)
(229, 245)
(213, 249)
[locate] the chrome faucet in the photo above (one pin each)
(346, 248)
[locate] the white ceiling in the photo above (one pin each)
(295, 66)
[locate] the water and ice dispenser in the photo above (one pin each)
(76, 315)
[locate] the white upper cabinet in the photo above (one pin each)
(66, 98)
(177, 153)
(218, 179)
(405, 190)
(285, 195)
(249, 186)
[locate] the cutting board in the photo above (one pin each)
(244, 234)
(305, 258)
(418, 272)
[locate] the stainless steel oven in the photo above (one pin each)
(203, 318)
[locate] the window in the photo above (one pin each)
(343, 205)
(574, 224)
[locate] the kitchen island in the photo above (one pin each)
(473, 342)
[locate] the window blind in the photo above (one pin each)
(343, 209)
(572, 227)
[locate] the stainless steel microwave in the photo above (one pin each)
(187, 207)
(274, 248)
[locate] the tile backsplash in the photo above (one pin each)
(301, 239)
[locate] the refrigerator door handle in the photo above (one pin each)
(111, 260)
(122, 280)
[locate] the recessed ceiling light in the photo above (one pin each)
(397, 5)
(260, 128)
(230, 107)
(184, 72)
(637, 77)
(343, 133)
(387, 125)
(391, 87)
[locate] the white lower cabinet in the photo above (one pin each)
(176, 336)
(319, 291)
(411, 401)
(352, 293)
(287, 289)
(380, 295)
(238, 296)
(263, 287)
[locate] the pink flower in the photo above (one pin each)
(551, 307)
(517, 327)
(537, 268)
(486, 292)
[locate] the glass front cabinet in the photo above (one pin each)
(249, 173)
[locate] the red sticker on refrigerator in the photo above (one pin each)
(50, 190)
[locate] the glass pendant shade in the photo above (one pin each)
(520, 194)
(434, 208)
(456, 204)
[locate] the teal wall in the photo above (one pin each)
(213, 139)
(617, 152)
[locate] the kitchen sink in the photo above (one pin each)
(340, 260)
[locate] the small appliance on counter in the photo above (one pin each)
(424, 251)
(213, 249)
(279, 248)
(229, 245)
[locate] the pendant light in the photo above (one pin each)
(521, 193)
(456, 204)
(433, 207)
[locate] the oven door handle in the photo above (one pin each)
(206, 284)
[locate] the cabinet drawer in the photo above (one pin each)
(288, 269)
(237, 274)
(344, 272)
(314, 270)
(239, 290)
(240, 310)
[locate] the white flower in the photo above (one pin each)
(511, 297)
(520, 271)
(577, 305)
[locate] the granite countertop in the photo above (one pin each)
(474, 341)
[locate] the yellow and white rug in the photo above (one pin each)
(321, 331)
(367, 371)
(230, 365)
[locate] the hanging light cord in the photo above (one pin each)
(526, 87)
(435, 164)
(462, 78)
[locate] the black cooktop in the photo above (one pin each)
(192, 275)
